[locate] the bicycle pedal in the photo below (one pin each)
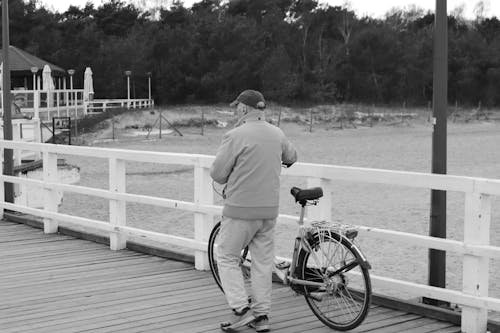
(282, 265)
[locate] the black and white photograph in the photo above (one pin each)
(188, 166)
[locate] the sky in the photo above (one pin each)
(375, 8)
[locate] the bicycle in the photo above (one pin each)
(327, 268)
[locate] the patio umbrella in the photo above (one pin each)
(47, 82)
(88, 85)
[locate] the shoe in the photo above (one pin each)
(241, 312)
(240, 319)
(261, 324)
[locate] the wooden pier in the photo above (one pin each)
(53, 283)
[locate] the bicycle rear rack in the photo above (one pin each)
(346, 230)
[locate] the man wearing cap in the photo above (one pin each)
(249, 163)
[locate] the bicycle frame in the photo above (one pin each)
(300, 243)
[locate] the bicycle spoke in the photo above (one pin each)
(336, 304)
(347, 299)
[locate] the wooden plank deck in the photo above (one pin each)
(56, 283)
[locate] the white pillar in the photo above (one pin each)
(476, 269)
(36, 104)
(58, 102)
(51, 199)
(117, 208)
(16, 136)
(203, 223)
(2, 184)
(37, 134)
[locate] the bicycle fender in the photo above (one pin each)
(364, 262)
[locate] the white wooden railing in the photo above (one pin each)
(101, 105)
(26, 130)
(46, 104)
(475, 247)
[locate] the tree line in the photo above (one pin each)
(294, 51)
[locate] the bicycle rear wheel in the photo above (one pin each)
(342, 299)
(212, 257)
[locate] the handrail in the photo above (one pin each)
(475, 248)
(47, 103)
(103, 104)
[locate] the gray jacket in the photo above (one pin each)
(249, 163)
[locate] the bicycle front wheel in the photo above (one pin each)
(212, 257)
(343, 293)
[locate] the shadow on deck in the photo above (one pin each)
(57, 283)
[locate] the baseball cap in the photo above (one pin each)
(251, 98)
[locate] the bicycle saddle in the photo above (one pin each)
(302, 195)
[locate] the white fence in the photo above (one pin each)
(101, 105)
(46, 104)
(475, 247)
(26, 130)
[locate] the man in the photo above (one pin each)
(17, 102)
(249, 162)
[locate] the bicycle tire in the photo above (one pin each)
(212, 256)
(346, 298)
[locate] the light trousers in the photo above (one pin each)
(258, 235)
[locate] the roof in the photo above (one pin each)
(20, 63)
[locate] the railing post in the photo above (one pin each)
(37, 134)
(476, 269)
(203, 223)
(58, 101)
(2, 186)
(51, 199)
(36, 103)
(75, 103)
(323, 211)
(16, 136)
(117, 208)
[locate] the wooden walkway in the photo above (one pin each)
(55, 283)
